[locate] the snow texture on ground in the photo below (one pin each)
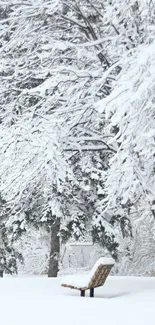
(39, 300)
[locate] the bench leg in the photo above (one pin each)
(92, 292)
(82, 293)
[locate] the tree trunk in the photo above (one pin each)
(55, 249)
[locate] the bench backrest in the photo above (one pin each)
(100, 275)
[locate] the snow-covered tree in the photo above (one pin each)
(57, 60)
(47, 98)
(130, 182)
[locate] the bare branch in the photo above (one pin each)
(73, 21)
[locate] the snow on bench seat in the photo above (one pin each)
(76, 281)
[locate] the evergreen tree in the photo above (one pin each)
(58, 153)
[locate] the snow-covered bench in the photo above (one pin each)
(94, 279)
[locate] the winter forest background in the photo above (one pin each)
(77, 135)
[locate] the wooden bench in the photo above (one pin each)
(94, 279)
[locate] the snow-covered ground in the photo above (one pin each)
(42, 301)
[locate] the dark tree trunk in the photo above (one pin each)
(55, 249)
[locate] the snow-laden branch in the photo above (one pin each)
(131, 108)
